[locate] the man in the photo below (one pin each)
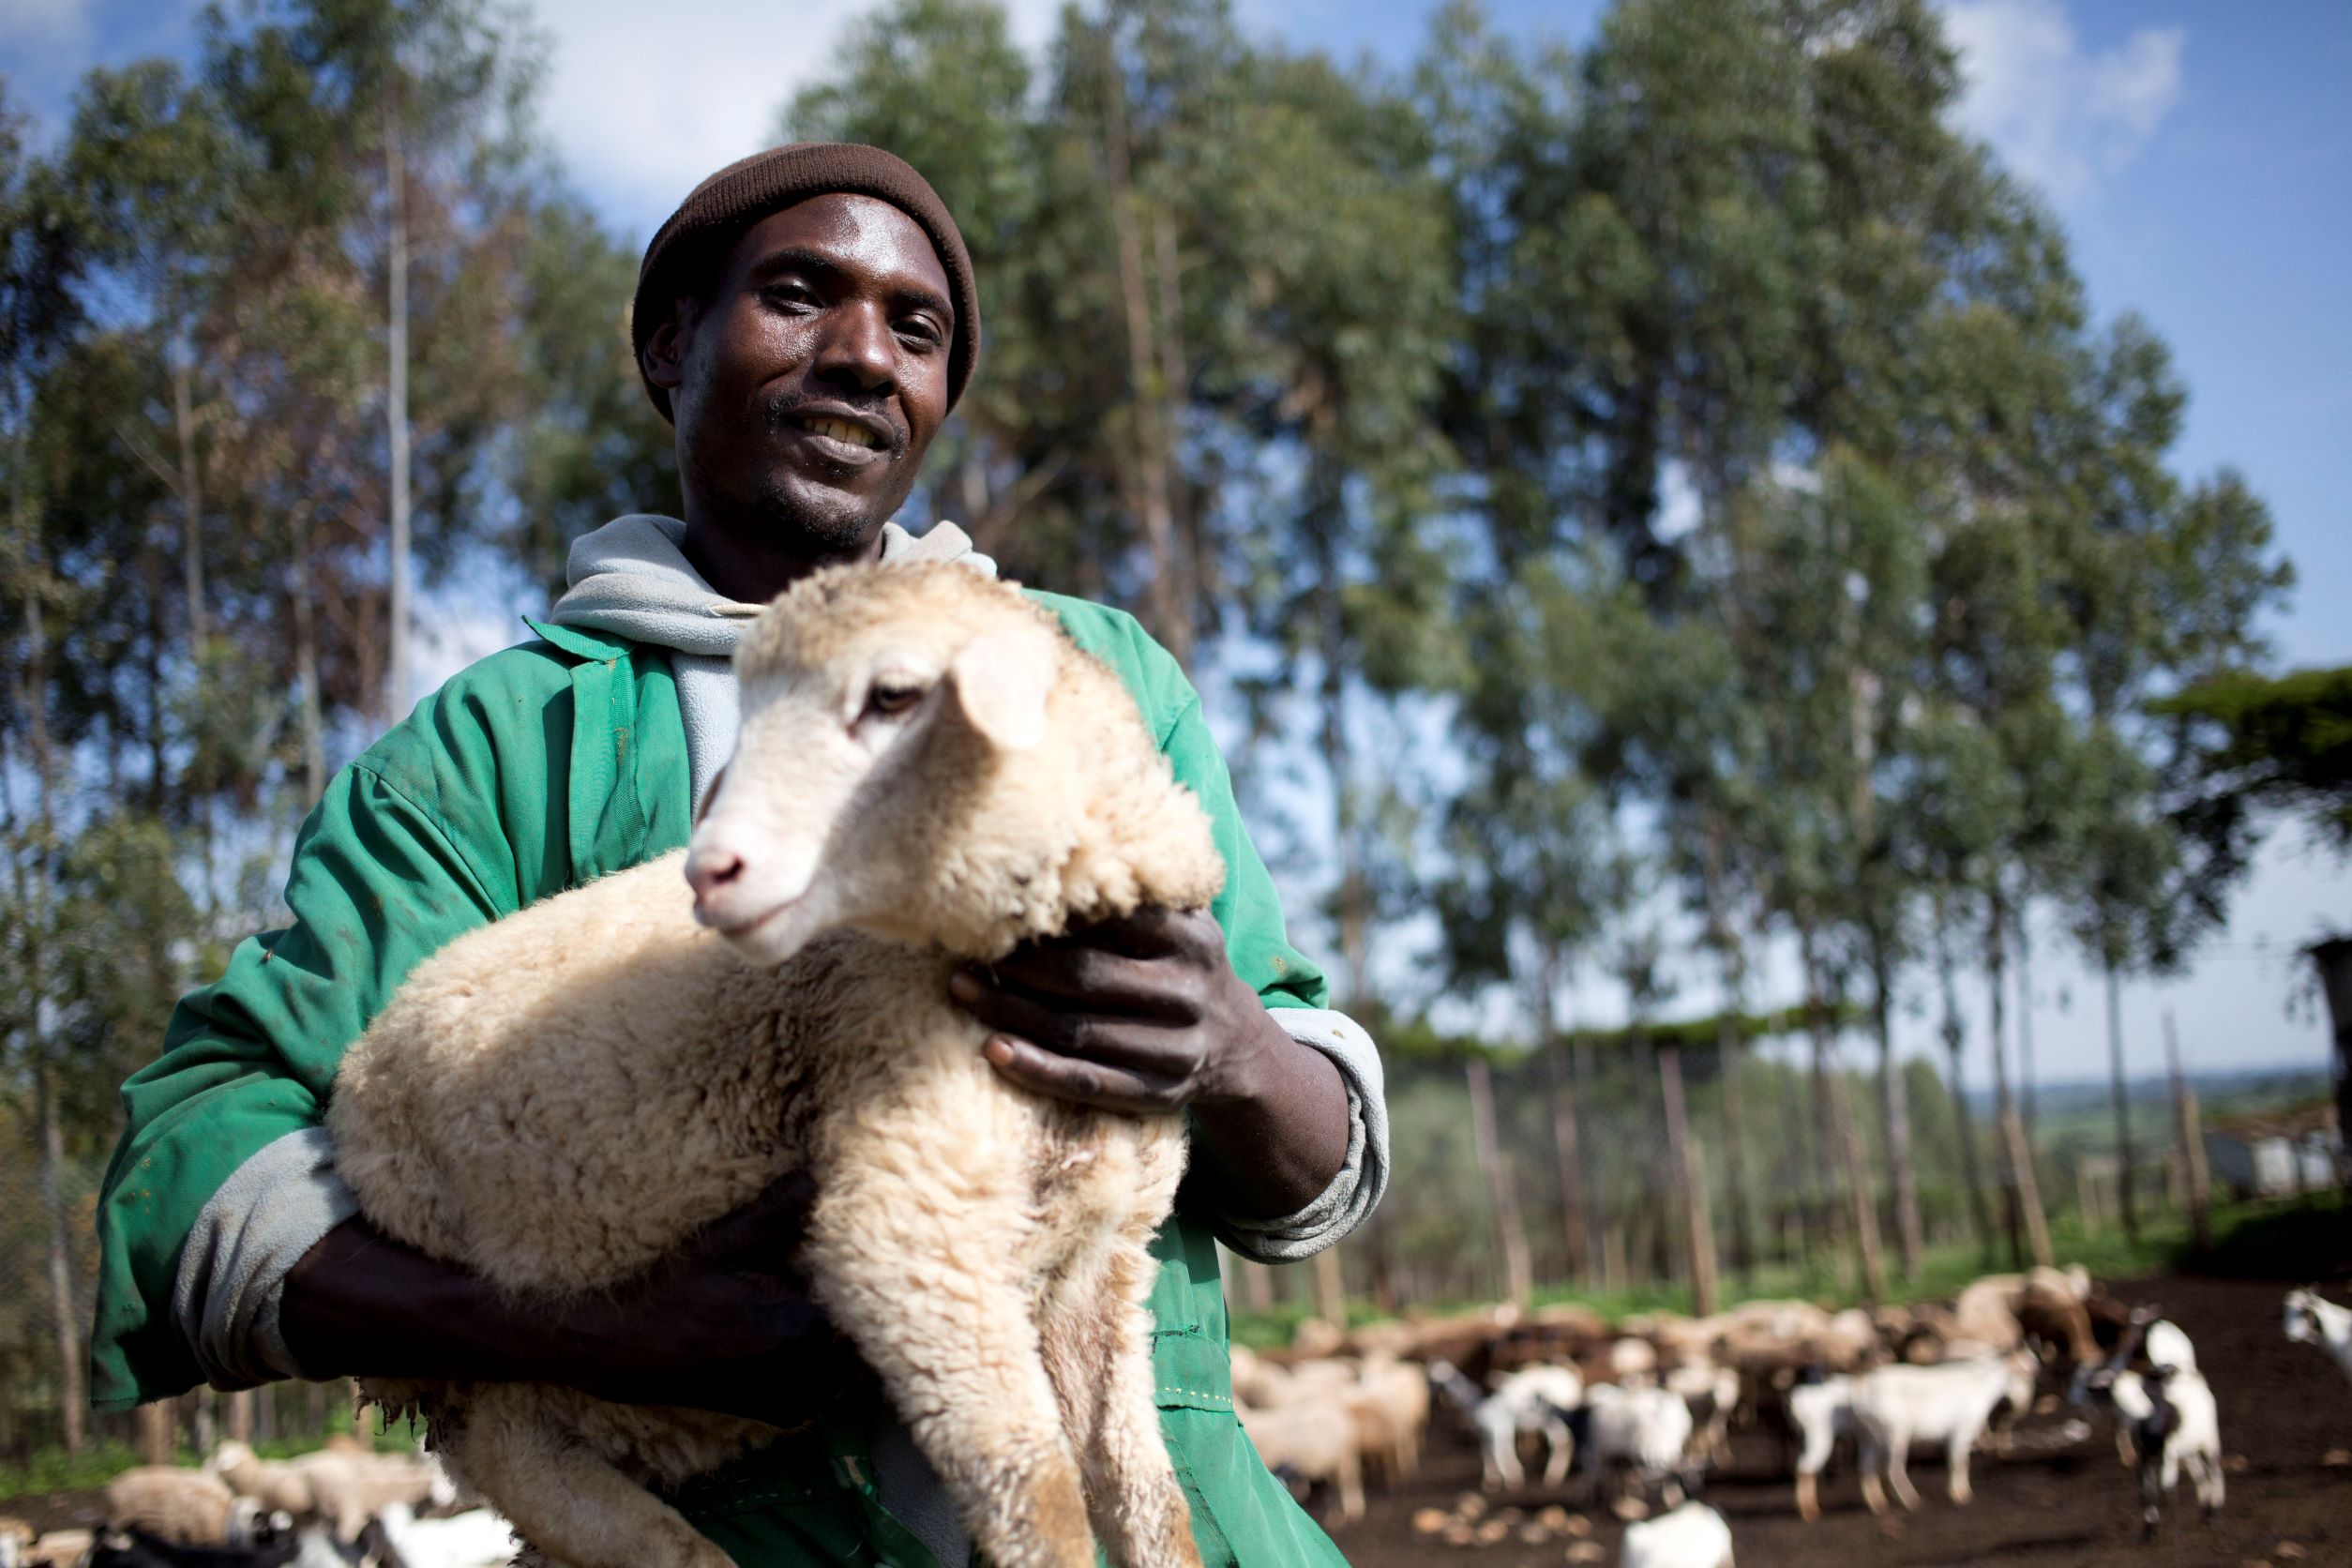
(806, 320)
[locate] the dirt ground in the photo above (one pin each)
(2284, 1408)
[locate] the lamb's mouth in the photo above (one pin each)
(742, 929)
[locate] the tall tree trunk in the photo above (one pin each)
(306, 629)
(1511, 1249)
(1894, 1106)
(1331, 1289)
(1580, 1080)
(33, 893)
(2189, 1124)
(1567, 1145)
(66, 1316)
(2119, 1092)
(1963, 1121)
(395, 696)
(2023, 1187)
(192, 496)
(158, 1439)
(1845, 1144)
(1153, 486)
(1729, 1050)
(1690, 1181)
(2028, 1078)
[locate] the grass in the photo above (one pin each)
(52, 1470)
(2249, 1239)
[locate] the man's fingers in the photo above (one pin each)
(1090, 1083)
(1100, 980)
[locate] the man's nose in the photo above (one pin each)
(858, 348)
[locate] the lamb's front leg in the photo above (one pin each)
(929, 1296)
(1098, 1349)
(576, 1508)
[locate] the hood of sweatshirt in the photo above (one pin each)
(630, 579)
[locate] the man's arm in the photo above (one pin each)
(725, 1326)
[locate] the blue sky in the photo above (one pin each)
(2199, 155)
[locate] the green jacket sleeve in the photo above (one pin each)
(377, 885)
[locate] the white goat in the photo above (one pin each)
(1644, 1431)
(1532, 1399)
(1950, 1404)
(2312, 1321)
(1690, 1536)
(2177, 1429)
(928, 773)
(476, 1539)
(1821, 1412)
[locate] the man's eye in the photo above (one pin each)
(922, 330)
(892, 698)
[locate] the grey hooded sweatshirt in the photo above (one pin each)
(630, 579)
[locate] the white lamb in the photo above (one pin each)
(2313, 1321)
(928, 773)
(1690, 1536)
(1950, 1404)
(183, 1508)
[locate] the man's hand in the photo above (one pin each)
(1145, 1015)
(725, 1326)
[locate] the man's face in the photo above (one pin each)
(808, 384)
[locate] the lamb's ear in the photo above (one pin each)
(998, 685)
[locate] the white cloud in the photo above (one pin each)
(2060, 117)
(641, 103)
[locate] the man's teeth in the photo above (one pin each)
(856, 435)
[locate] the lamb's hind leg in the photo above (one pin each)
(573, 1506)
(933, 1308)
(1098, 1349)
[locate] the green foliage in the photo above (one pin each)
(2281, 743)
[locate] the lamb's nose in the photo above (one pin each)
(710, 870)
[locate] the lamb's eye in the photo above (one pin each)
(891, 697)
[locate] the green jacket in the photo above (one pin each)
(531, 772)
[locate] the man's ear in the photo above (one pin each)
(666, 350)
(998, 685)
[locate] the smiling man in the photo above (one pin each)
(806, 320)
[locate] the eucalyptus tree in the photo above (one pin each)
(396, 137)
(43, 250)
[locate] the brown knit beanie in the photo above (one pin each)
(708, 222)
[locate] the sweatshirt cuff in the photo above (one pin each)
(1356, 1190)
(271, 1210)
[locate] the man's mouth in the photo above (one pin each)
(842, 430)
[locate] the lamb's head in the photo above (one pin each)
(925, 756)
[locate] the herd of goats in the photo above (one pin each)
(1640, 1411)
(1643, 1410)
